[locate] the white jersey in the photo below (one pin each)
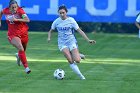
(138, 19)
(65, 30)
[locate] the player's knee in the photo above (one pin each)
(20, 48)
(78, 60)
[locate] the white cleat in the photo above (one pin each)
(27, 70)
(82, 77)
(18, 60)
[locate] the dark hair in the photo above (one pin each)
(62, 7)
(12, 2)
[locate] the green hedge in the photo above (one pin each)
(85, 26)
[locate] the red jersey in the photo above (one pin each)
(15, 27)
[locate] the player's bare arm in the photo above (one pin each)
(23, 19)
(85, 36)
(49, 35)
(137, 24)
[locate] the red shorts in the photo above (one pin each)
(24, 38)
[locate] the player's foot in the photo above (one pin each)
(27, 70)
(82, 77)
(82, 56)
(18, 60)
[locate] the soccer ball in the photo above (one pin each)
(59, 74)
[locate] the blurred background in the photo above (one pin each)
(110, 16)
(112, 65)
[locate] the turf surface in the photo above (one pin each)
(111, 66)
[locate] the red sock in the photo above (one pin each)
(23, 59)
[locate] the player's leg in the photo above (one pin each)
(73, 65)
(24, 41)
(16, 41)
(67, 55)
(17, 56)
(76, 58)
(66, 51)
(24, 44)
(18, 60)
(75, 55)
(82, 56)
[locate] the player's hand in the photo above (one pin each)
(92, 41)
(15, 19)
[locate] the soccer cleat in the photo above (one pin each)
(27, 70)
(82, 77)
(82, 56)
(18, 60)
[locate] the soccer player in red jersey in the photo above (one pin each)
(17, 33)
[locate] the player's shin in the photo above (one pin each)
(23, 59)
(75, 69)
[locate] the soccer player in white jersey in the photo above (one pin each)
(66, 39)
(137, 23)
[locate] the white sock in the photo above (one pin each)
(75, 68)
(27, 69)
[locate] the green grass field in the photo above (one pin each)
(111, 66)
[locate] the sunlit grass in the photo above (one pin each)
(95, 60)
(111, 66)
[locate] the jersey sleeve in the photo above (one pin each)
(138, 19)
(74, 24)
(22, 13)
(4, 11)
(53, 25)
